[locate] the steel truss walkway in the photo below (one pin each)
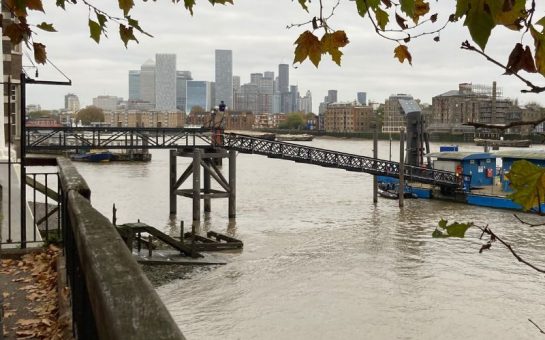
(341, 160)
(69, 138)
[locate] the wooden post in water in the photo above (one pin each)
(172, 173)
(375, 156)
(232, 183)
(206, 173)
(197, 155)
(401, 166)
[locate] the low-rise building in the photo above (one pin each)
(348, 117)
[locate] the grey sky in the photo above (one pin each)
(256, 32)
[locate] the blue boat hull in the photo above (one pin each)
(93, 157)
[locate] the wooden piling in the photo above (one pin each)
(197, 154)
(375, 156)
(206, 178)
(232, 184)
(173, 195)
(401, 167)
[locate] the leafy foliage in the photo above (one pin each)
(528, 182)
(454, 229)
(294, 121)
(90, 114)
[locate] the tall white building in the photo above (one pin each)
(71, 102)
(224, 77)
(147, 82)
(305, 105)
(165, 82)
(106, 103)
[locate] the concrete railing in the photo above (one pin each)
(111, 296)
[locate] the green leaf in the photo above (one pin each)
(101, 20)
(382, 18)
(126, 34)
(61, 3)
(528, 182)
(453, 230)
(539, 44)
(94, 29)
(126, 6)
(189, 5)
(303, 4)
(364, 5)
(407, 7)
(462, 7)
(479, 22)
(47, 27)
(541, 22)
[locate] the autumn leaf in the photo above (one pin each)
(95, 30)
(387, 3)
(303, 4)
(401, 52)
(309, 46)
(421, 8)
(541, 22)
(39, 53)
(528, 183)
(35, 5)
(539, 44)
(331, 42)
(509, 13)
(126, 6)
(520, 59)
(401, 22)
(46, 27)
(14, 32)
(433, 17)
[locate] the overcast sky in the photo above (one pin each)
(256, 32)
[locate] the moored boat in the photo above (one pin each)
(295, 138)
(518, 143)
(93, 156)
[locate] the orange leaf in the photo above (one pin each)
(402, 52)
(309, 46)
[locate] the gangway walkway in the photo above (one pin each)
(71, 138)
(335, 159)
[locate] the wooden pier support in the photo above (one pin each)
(375, 156)
(401, 167)
(207, 159)
(233, 183)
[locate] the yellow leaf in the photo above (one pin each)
(382, 18)
(126, 6)
(331, 42)
(420, 8)
(539, 44)
(309, 46)
(402, 52)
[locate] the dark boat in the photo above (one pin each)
(92, 156)
(391, 194)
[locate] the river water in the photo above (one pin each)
(321, 261)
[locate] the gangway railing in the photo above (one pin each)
(337, 159)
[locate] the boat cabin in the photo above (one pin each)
(478, 168)
(510, 156)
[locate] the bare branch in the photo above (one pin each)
(533, 88)
(487, 230)
(528, 223)
(533, 323)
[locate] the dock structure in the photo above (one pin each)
(205, 158)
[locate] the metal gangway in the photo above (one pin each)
(70, 138)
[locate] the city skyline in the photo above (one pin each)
(367, 65)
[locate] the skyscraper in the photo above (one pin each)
(362, 98)
(147, 82)
(198, 94)
(332, 96)
(283, 78)
(134, 85)
(165, 82)
(181, 88)
(224, 77)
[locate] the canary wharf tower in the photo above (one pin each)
(224, 77)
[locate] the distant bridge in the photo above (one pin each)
(69, 138)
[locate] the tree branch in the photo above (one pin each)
(533, 88)
(533, 323)
(494, 237)
(528, 223)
